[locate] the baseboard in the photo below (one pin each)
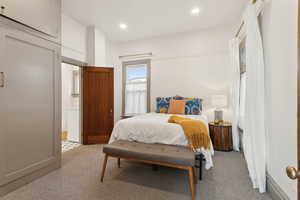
(275, 190)
(5, 189)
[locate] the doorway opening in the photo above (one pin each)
(71, 135)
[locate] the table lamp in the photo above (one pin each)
(219, 102)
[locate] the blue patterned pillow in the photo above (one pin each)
(162, 104)
(193, 106)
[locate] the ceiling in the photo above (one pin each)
(149, 18)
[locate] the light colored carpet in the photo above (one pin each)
(79, 179)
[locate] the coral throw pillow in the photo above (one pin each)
(177, 107)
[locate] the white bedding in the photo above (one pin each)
(153, 128)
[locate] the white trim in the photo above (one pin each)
(137, 55)
(275, 190)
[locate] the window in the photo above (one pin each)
(136, 85)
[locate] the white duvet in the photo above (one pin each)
(154, 128)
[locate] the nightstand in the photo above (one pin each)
(221, 136)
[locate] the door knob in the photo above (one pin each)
(292, 173)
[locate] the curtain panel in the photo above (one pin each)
(254, 138)
(136, 97)
(235, 62)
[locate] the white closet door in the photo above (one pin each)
(29, 99)
(43, 15)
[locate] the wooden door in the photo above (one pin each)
(98, 101)
(294, 172)
(298, 99)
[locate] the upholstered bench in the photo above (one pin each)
(156, 154)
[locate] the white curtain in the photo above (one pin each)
(235, 62)
(254, 138)
(242, 101)
(136, 96)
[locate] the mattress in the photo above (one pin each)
(154, 128)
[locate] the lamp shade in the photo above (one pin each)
(219, 101)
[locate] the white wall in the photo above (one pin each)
(99, 50)
(87, 44)
(74, 39)
(68, 101)
(191, 64)
(279, 28)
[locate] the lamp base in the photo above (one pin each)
(218, 116)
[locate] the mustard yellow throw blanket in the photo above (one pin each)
(195, 131)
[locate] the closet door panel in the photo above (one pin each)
(43, 15)
(28, 118)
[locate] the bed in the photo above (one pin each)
(154, 128)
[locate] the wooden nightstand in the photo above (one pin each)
(221, 136)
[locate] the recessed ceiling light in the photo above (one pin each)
(123, 26)
(195, 11)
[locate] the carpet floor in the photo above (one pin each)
(79, 179)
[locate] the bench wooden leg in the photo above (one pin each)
(119, 162)
(104, 167)
(191, 182)
(195, 175)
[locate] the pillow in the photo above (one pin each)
(162, 104)
(193, 106)
(177, 107)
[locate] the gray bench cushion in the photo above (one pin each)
(170, 154)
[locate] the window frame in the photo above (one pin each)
(147, 62)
